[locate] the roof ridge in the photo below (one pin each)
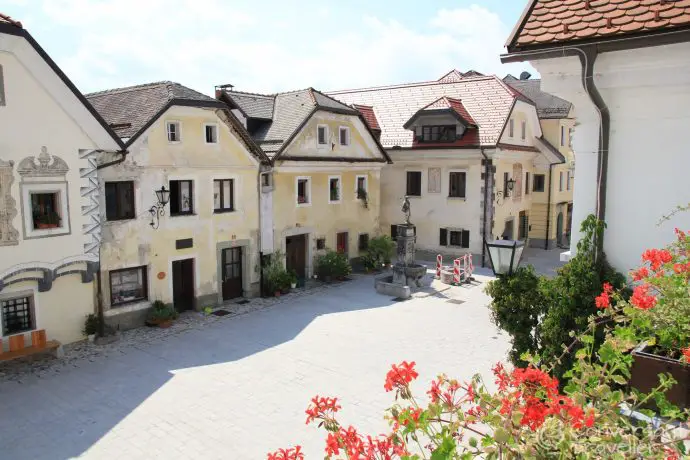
(9, 20)
(310, 91)
(413, 84)
(267, 96)
(129, 88)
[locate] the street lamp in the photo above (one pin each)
(503, 194)
(504, 255)
(158, 209)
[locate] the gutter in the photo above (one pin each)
(588, 55)
(487, 170)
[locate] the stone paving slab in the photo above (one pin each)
(236, 387)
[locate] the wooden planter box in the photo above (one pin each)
(646, 369)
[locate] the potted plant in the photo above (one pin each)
(293, 279)
(161, 315)
(285, 282)
(47, 220)
(332, 265)
(91, 327)
(363, 196)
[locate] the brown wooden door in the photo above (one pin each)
(183, 284)
(342, 243)
(232, 273)
(296, 254)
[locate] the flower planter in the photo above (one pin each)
(646, 368)
(162, 323)
(277, 293)
(293, 285)
(43, 226)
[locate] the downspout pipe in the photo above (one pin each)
(548, 208)
(99, 290)
(487, 203)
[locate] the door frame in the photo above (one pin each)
(195, 258)
(245, 246)
(224, 263)
(309, 232)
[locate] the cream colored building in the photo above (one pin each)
(458, 145)
(552, 194)
(322, 152)
(204, 247)
(49, 216)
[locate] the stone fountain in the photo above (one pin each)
(407, 274)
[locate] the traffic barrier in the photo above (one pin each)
(439, 265)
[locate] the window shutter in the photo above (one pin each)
(110, 201)
(463, 185)
(394, 232)
(465, 239)
(443, 237)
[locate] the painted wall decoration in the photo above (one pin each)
(517, 177)
(8, 209)
(434, 180)
(43, 165)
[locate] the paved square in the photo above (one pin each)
(238, 388)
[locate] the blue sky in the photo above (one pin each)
(268, 45)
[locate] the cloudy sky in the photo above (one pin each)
(268, 45)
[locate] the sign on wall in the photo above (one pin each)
(434, 180)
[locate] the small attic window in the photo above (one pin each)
(322, 134)
(173, 128)
(442, 133)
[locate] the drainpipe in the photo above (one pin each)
(261, 253)
(487, 203)
(548, 208)
(99, 290)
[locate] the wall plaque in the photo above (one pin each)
(434, 180)
(185, 243)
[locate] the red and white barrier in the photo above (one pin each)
(456, 271)
(439, 266)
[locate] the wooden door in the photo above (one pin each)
(183, 284)
(342, 243)
(232, 273)
(296, 254)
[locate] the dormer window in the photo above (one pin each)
(322, 134)
(442, 133)
(344, 135)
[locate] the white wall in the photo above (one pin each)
(648, 94)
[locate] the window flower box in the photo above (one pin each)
(646, 368)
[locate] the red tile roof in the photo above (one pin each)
(446, 102)
(4, 19)
(368, 112)
(558, 21)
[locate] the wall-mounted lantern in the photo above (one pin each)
(158, 210)
(503, 194)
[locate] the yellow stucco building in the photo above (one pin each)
(551, 185)
(325, 179)
(203, 247)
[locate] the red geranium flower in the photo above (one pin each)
(680, 234)
(657, 257)
(641, 297)
(686, 354)
(322, 408)
(603, 300)
(400, 375)
(294, 453)
(640, 274)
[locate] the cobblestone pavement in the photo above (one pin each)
(236, 386)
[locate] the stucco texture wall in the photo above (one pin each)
(434, 210)
(320, 218)
(153, 163)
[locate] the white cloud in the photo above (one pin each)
(200, 43)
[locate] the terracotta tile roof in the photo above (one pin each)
(558, 21)
(367, 112)
(5, 19)
(455, 75)
(487, 100)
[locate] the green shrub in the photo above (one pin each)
(275, 275)
(161, 312)
(542, 313)
(91, 325)
(332, 265)
(381, 249)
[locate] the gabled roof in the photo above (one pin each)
(554, 22)
(444, 104)
(548, 105)
(129, 109)
(132, 110)
(455, 75)
(487, 99)
(12, 27)
(291, 110)
(369, 116)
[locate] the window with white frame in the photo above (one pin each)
(568, 180)
(322, 134)
(181, 197)
(523, 130)
(454, 237)
(457, 184)
(334, 189)
(211, 133)
(303, 191)
(173, 129)
(511, 127)
(570, 137)
(344, 135)
(18, 315)
(361, 187)
(128, 285)
(560, 181)
(223, 195)
(45, 209)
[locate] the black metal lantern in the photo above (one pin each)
(158, 210)
(503, 194)
(505, 255)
